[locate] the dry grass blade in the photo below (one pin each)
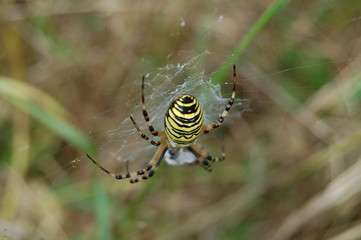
(36, 202)
(288, 103)
(341, 189)
(351, 233)
(320, 159)
(221, 213)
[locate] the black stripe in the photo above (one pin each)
(145, 113)
(187, 120)
(187, 99)
(188, 126)
(151, 173)
(186, 132)
(180, 142)
(187, 109)
(196, 119)
(184, 136)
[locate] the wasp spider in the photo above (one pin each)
(183, 123)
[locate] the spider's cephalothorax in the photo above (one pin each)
(183, 123)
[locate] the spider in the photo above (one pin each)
(183, 123)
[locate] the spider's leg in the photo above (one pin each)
(204, 158)
(223, 154)
(208, 128)
(152, 165)
(146, 116)
(143, 135)
(145, 173)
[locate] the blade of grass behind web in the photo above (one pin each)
(45, 109)
(103, 208)
(267, 15)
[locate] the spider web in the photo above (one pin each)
(162, 86)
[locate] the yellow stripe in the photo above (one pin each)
(188, 116)
(182, 138)
(190, 124)
(179, 106)
(187, 131)
(172, 134)
(175, 126)
(186, 104)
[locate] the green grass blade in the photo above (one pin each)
(102, 212)
(270, 12)
(45, 109)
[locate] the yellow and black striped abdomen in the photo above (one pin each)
(183, 121)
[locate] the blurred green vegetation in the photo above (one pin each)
(293, 158)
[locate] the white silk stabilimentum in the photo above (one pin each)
(182, 157)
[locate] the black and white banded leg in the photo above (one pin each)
(146, 116)
(139, 175)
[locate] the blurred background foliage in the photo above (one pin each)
(70, 69)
